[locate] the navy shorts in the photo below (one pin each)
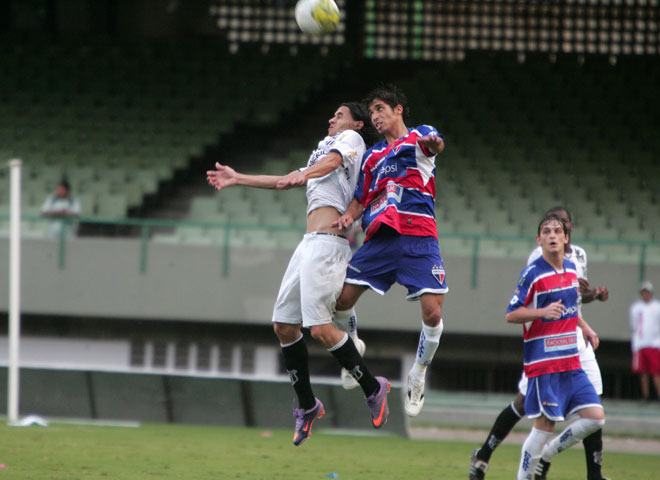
(389, 257)
(560, 395)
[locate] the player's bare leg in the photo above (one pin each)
(429, 339)
(644, 384)
(656, 382)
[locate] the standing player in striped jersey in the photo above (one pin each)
(545, 302)
(315, 273)
(507, 419)
(395, 196)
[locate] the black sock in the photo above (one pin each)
(505, 421)
(349, 358)
(296, 362)
(593, 451)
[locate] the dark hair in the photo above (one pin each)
(390, 94)
(549, 218)
(559, 208)
(64, 183)
(360, 114)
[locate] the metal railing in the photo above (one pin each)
(146, 225)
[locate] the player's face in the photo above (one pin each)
(342, 120)
(552, 237)
(383, 117)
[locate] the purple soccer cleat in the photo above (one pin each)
(377, 403)
(304, 421)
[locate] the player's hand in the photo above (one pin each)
(293, 179)
(590, 336)
(431, 142)
(554, 311)
(584, 285)
(223, 176)
(343, 222)
(602, 294)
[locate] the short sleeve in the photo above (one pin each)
(521, 293)
(350, 146)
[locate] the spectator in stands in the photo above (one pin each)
(645, 342)
(59, 206)
(507, 419)
(316, 271)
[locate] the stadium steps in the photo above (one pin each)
(478, 410)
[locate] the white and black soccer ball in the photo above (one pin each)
(317, 17)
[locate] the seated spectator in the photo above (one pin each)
(58, 206)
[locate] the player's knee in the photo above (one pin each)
(433, 317)
(345, 301)
(519, 404)
(320, 334)
(286, 332)
(594, 424)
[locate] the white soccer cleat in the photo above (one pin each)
(347, 380)
(414, 400)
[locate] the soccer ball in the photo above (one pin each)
(317, 17)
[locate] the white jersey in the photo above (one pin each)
(645, 324)
(337, 188)
(578, 256)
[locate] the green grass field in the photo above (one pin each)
(65, 452)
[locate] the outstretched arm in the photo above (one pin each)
(224, 176)
(325, 165)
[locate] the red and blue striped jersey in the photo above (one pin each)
(397, 186)
(550, 345)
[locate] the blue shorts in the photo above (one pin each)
(560, 395)
(389, 257)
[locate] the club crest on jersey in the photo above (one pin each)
(438, 272)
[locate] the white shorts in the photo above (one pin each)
(590, 367)
(313, 280)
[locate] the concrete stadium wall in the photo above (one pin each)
(101, 278)
(181, 399)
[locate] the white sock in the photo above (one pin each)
(347, 321)
(531, 452)
(429, 339)
(572, 434)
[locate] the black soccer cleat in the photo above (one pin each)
(541, 470)
(477, 467)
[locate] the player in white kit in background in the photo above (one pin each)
(507, 419)
(315, 274)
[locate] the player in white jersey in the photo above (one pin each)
(315, 274)
(645, 340)
(507, 419)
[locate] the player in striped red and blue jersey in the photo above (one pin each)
(545, 302)
(395, 197)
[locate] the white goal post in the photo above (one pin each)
(14, 289)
